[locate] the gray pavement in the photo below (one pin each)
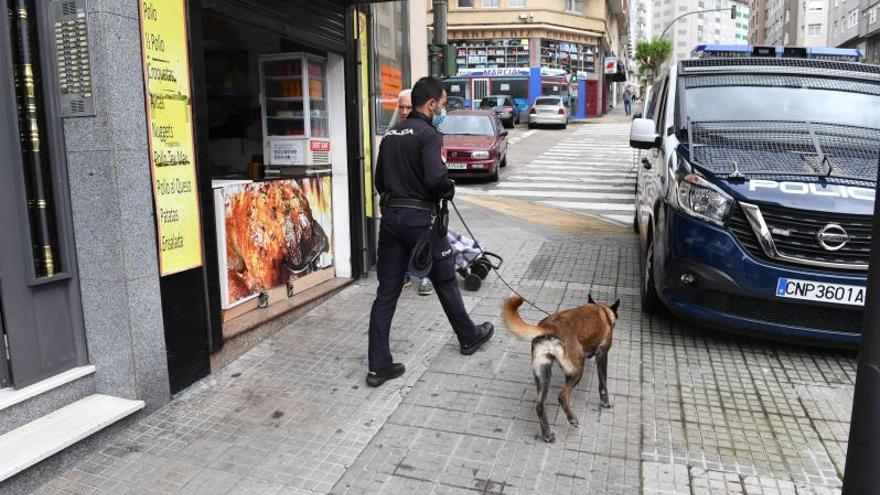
(695, 411)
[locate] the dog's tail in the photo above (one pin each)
(515, 323)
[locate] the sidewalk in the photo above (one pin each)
(693, 412)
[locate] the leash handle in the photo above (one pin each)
(494, 268)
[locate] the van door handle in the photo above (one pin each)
(646, 164)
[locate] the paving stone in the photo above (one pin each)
(695, 411)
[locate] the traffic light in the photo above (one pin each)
(451, 65)
(435, 59)
(733, 11)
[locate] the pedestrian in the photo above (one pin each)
(404, 108)
(627, 100)
(412, 179)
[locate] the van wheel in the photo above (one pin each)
(650, 300)
(494, 177)
(503, 162)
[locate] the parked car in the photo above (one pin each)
(548, 110)
(504, 106)
(454, 103)
(474, 144)
(755, 196)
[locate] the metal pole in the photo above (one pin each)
(440, 14)
(862, 471)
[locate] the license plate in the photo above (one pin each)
(792, 288)
(456, 166)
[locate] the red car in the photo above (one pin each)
(474, 144)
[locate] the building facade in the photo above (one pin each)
(184, 179)
(573, 35)
(775, 22)
(813, 26)
(869, 30)
(708, 27)
(843, 19)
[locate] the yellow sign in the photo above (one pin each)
(363, 46)
(169, 118)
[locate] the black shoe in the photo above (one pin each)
(376, 378)
(484, 333)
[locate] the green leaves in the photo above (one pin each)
(651, 55)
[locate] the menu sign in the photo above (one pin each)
(169, 119)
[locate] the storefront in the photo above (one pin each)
(283, 163)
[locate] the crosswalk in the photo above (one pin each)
(589, 171)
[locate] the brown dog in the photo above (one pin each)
(567, 337)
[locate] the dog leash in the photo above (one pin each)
(494, 268)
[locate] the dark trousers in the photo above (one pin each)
(399, 231)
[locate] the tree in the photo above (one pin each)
(651, 55)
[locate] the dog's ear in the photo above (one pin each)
(590, 298)
(614, 307)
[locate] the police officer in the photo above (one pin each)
(412, 178)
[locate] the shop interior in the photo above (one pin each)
(277, 156)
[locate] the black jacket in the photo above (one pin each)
(409, 164)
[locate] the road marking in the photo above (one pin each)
(580, 205)
(561, 194)
(552, 185)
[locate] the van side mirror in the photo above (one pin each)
(642, 134)
(503, 132)
(637, 116)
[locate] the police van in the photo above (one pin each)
(756, 188)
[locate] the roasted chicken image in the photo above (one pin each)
(271, 236)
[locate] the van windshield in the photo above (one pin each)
(788, 104)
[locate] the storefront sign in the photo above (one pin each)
(610, 65)
(169, 119)
(392, 85)
(319, 145)
(286, 152)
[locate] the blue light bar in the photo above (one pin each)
(743, 51)
(843, 54)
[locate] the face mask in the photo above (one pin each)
(439, 119)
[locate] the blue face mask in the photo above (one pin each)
(439, 119)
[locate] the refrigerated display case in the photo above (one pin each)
(293, 97)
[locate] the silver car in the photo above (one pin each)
(548, 110)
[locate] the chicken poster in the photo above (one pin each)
(276, 232)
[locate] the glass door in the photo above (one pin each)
(285, 108)
(318, 99)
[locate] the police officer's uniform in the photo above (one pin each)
(410, 171)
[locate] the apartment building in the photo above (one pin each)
(573, 35)
(704, 27)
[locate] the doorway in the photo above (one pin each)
(41, 316)
(480, 88)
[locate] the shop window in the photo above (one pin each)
(465, 4)
(390, 59)
(492, 4)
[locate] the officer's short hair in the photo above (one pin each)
(426, 88)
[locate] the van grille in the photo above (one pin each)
(795, 234)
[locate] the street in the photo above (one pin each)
(695, 411)
(587, 169)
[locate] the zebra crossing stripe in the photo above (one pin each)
(581, 205)
(561, 194)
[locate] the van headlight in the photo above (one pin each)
(479, 154)
(699, 198)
